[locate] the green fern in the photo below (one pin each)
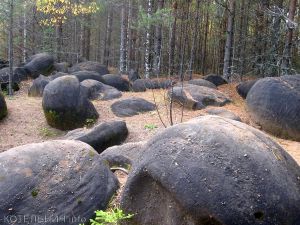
(112, 217)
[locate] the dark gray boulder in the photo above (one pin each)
(141, 85)
(243, 88)
(62, 67)
(19, 74)
(101, 136)
(196, 97)
(133, 75)
(65, 105)
(223, 113)
(88, 75)
(213, 170)
(202, 82)
(38, 86)
(124, 156)
(274, 103)
(97, 90)
(131, 107)
(116, 81)
(3, 107)
(89, 66)
(53, 183)
(42, 63)
(215, 79)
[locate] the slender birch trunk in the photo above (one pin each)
(147, 42)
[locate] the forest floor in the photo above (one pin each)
(26, 123)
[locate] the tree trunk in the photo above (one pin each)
(86, 38)
(25, 32)
(123, 46)
(107, 45)
(148, 42)
(158, 43)
(287, 53)
(59, 40)
(229, 40)
(195, 34)
(11, 51)
(204, 52)
(172, 40)
(129, 35)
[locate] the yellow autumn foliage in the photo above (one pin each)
(58, 10)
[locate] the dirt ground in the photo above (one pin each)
(26, 123)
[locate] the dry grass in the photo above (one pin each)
(26, 122)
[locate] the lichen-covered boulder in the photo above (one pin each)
(202, 82)
(213, 170)
(89, 66)
(65, 104)
(131, 107)
(101, 136)
(116, 81)
(197, 97)
(3, 107)
(97, 90)
(215, 79)
(243, 88)
(56, 182)
(42, 63)
(274, 103)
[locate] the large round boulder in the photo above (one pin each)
(203, 83)
(274, 103)
(197, 97)
(42, 63)
(243, 88)
(65, 104)
(131, 107)
(57, 182)
(89, 66)
(215, 79)
(88, 75)
(3, 107)
(116, 81)
(97, 90)
(213, 170)
(101, 136)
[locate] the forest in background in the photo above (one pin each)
(233, 38)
